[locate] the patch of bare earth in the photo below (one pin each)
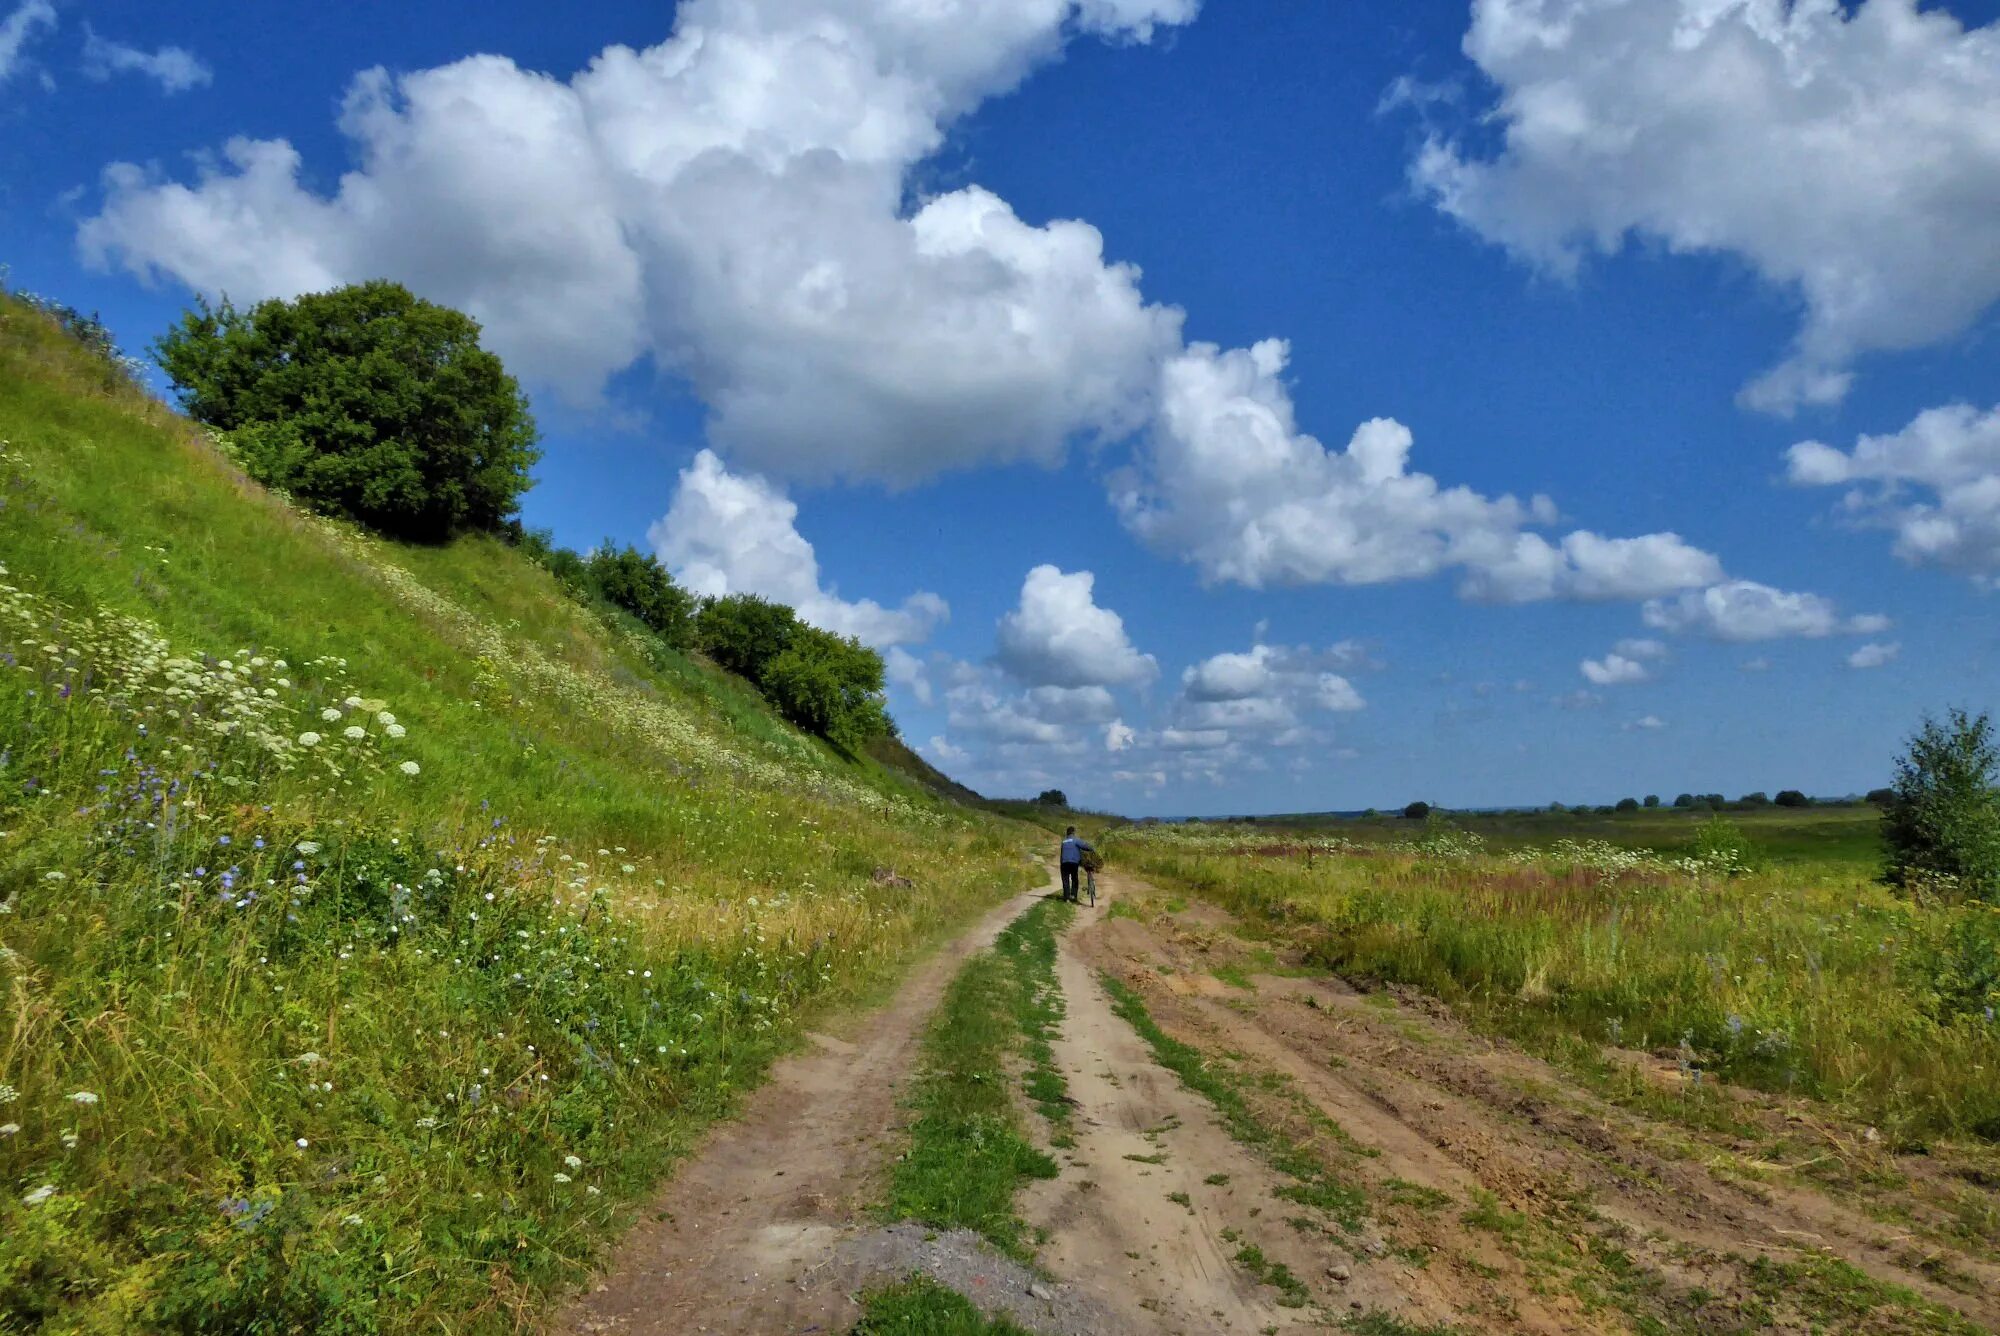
(1511, 1197)
(758, 1232)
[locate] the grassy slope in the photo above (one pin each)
(406, 1077)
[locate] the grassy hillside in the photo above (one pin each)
(375, 921)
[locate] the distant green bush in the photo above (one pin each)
(365, 402)
(636, 581)
(1417, 811)
(1627, 805)
(1792, 798)
(1942, 827)
(826, 684)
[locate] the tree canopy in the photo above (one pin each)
(1942, 823)
(365, 402)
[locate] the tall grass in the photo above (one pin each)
(375, 923)
(1808, 977)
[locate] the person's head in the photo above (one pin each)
(1070, 831)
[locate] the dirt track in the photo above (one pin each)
(1500, 1194)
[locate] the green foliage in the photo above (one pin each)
(1792, 798)
(636, 582)
(1052, 798)
(967, 1154)
(364, 402)
(1721, 842)
(1652, 800)
(1942, 829)
(922, 1307)
(1627, 805)
(1757, 799)
(1418, 811)
(1684, 800)
(743, 633)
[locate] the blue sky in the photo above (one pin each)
(1624, 258)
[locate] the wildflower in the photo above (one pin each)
(354, 732)
(309, 739)
(55, 876)
(562, 1178)
(410, 768)
(302, 1143)
(350, 1219)
(83, 1097)
(307, 847)
(9, 1129)
(592, 1190)
(572, 1161)
(40, 1194)
(397, 731)
(330, 714)
(352, 702)
(385, 719)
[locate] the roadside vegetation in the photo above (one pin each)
(378, 921)
(969, 1152)
(1764, 962)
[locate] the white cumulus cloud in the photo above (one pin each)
(731, 533)
(1228, 481)
(1743, 610)
(1935, 484)
(1845, 151)
(729, 203)
(1873, 655)
(1058, 636)
(174, 68)
(1615, 670)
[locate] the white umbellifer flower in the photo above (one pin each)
(8, 1094)
(352, 702)
(309, 739)
(562, 1178)
(592, 1191)
(302, 1143)
(40, 1194)
(572, 1161)
(307, 846)
(330, 714)
(350, 1220)
(385, 719)
(396, 730)
(354, 732)
(83, 1097)
(410, 768)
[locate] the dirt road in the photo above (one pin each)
(1378, 1165)
(740, 1242)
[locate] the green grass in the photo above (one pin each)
(377, 1051)
(1313, 1184)
(922, 1307)
(1292, 1292)
(1801, 975)
(968, 1153)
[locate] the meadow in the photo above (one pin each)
(1757, 948)
(377, 922)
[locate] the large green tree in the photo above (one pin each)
(1943, 816)
(365, 402)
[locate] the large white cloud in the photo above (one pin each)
(1743, 610)
(1845, 151)
(728, 202)
(730, 533)
(1228, 481)
(16, 30)
(1058, 636)
(1953, 455)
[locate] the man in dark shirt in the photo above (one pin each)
(1073, 850)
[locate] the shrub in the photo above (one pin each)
(1792, 798)
(1720, 842)
(742, 633)
(1684, 800)
(1627, 805)
(1880, 797)
(1757, 799)
(1944, 821)
(1652, 800)
(364, 402)
(636, 581)
(1052, 798)
(829, 685)
(1417, 811)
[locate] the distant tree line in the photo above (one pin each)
(373, 405)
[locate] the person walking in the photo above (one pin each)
(1073, 850)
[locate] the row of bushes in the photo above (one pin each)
(373, 405)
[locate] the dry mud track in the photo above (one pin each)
(746, 1238)
(1501, 1195)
